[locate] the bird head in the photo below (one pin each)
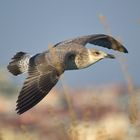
(96, 55)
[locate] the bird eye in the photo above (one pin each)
(96, 53)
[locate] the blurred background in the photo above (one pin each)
(100, 102)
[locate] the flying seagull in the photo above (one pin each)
(44, 69)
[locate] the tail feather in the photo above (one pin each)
(19, 63)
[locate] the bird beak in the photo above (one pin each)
(110, 56)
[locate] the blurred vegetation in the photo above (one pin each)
(93, 113)
(7, 88)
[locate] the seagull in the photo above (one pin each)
(44, 69)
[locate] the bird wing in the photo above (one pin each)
(36, 86)
(97, 39)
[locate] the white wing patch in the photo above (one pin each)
(24, 63)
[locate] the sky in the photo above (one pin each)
(31, 25)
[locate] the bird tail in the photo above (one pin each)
(19, 63)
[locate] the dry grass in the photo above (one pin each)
(96, 118)
(133, 107)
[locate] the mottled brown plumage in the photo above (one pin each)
(45, 69)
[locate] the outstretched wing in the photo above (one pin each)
(98, 39)
(36, 86)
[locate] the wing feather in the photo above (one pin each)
(97, 39)
(36, 86)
